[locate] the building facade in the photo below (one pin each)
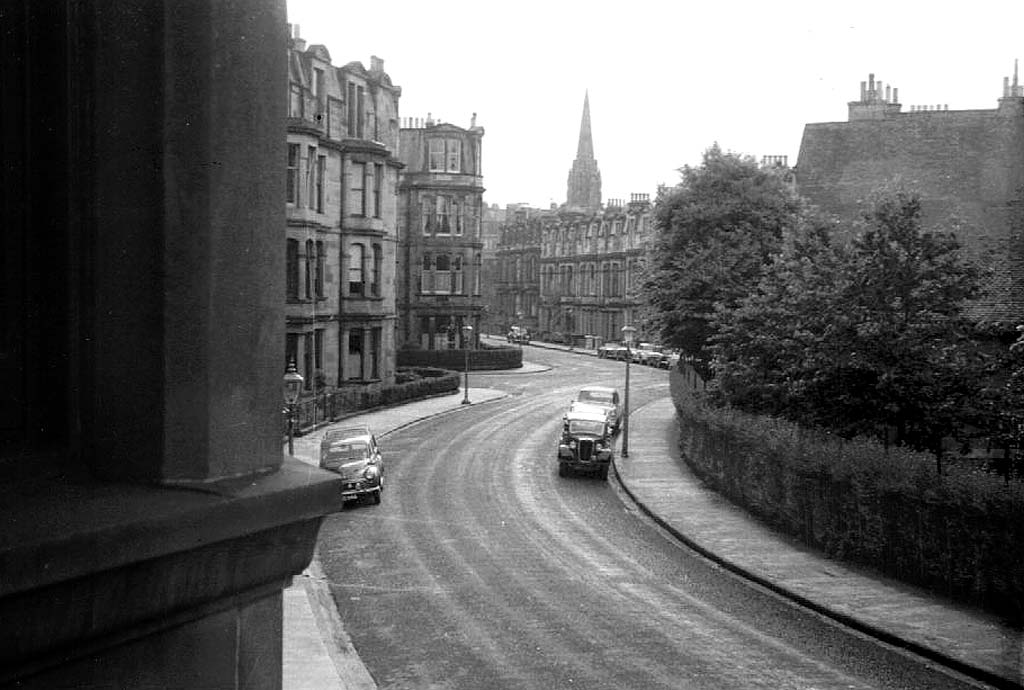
(516, 273)
(440, 251)
(591, 270)
(151, 520)
(966, 165)
(341, 206)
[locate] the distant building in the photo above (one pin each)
(967, 166)
(590, 270)
(441, 249)
(584, 186)
(341, 209)
(517, 275)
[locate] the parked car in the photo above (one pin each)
(612, 350)
(518, 334)
(605, 398)
(586, 443)
(669, 359)
(647, 353)
(354, 454)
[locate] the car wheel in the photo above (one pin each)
(376, 497)
(603, 472)
(563, 470)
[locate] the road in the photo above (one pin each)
(483, 569)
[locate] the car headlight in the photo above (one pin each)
(572, 444)
(371, 472)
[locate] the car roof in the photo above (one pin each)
(598, 389)
(586, 413)
(353, 433)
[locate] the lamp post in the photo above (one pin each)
(292, 385)
(627, 338)
(467, 333)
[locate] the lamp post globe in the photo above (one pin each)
(467, 335)
(293, 381)
(627, 337)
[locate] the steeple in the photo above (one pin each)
(585, 149)
(584, 193)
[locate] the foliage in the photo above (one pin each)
(868, 337)
(713, 233)
(960, 534)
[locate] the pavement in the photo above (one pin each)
(318, 653)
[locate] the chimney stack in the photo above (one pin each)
(376, 65)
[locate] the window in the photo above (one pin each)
(311, 176)
(356, 269)
(321, 173)
(477, 269)
(295, 100)
(359, 189)
(375, 338)
(354, 100)
(318, 83)
(292, 270)
(444, 155)
(436, 159)
(378, 184)
(427, 274)
(307, 361)
(456, 217)
(454, 157)
(310, 263)
(426, 212)
(355, 354)
(378, 265)
(441, 225)
(292, 193)
(291, 349)
(320, 257)
(456, 275)
(318, 349)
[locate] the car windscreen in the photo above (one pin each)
(351, 450)
(585, 426)
(600, 397)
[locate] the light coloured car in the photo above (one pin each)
(612, 350)
(604, 397)
(648, 353)
(354, 454)
(586, 443)
(669, 359)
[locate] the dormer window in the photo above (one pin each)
(445, 155)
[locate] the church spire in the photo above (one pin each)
(584, 193)
(585, 149)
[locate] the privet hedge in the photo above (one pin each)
(960, 534)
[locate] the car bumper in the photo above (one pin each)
(357, 487)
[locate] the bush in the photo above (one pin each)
(960, 533)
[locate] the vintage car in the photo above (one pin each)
(604, 397)
(669, 359)
(648, 353)
(586, 442)
(518, 334)
(612, 350)
(354, 454)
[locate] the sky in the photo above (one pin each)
(666, 80)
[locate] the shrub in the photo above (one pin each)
(960, 533)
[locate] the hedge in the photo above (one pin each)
(959, 534)
(483, 359)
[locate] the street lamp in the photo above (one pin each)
(467, 333)
(292, 385)
(627, 338)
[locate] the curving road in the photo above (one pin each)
(483, 569)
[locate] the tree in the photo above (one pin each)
(714, 232)
(865, 338)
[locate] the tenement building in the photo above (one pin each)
(440, 253)
(966, 165)
(150, 519)
(575, 271)
(341, 206)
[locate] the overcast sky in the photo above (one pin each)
(666, 79)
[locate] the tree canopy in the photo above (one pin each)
(867, 337)
(714, 233)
